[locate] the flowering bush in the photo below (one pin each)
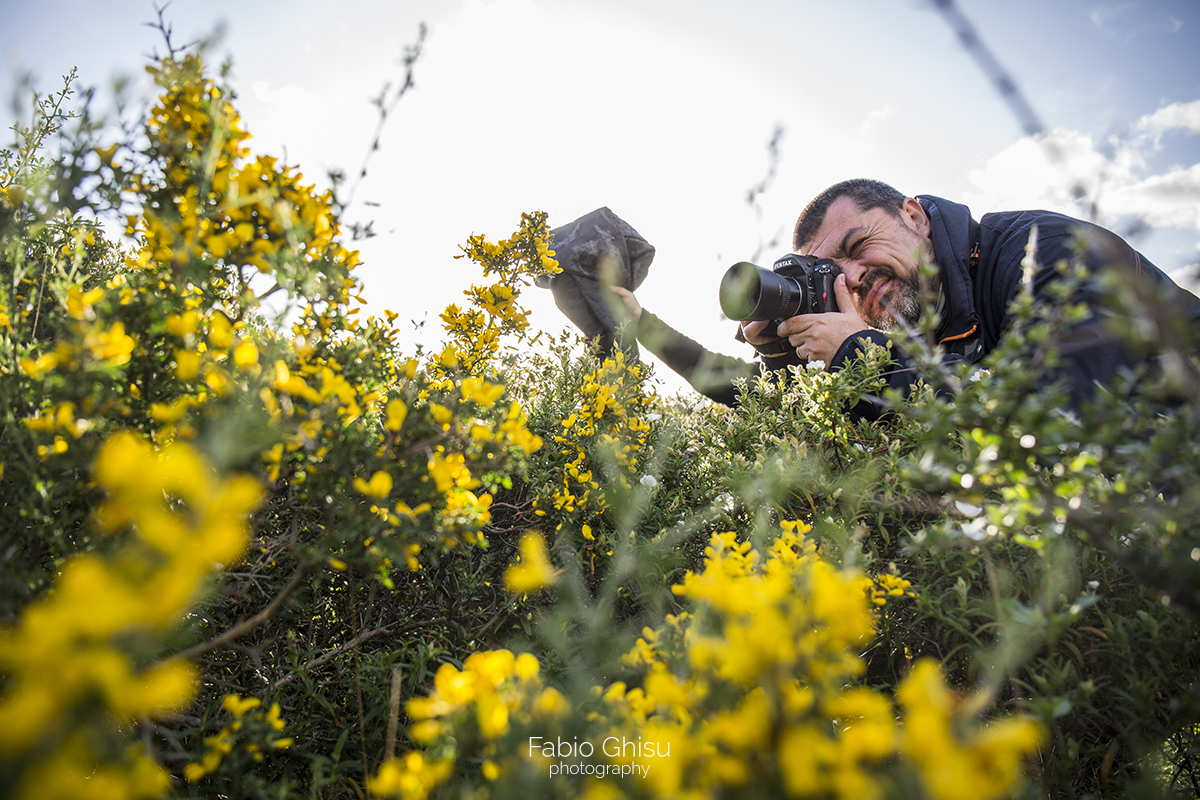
(256, 550)
(113, 362)
(751, 689)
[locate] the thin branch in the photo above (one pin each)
(393, 715)
(423, 445)
(250, 624)
(362, 637)
(386, 106)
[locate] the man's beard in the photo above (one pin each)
(903, 300)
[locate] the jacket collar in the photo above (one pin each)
(955, 234)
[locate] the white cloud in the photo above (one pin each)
(1177, 116)
(1040, 173)
(1169, 199)
(1102, 15)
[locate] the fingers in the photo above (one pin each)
(756, 333)
(845, 300)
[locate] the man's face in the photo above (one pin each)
(880, 255)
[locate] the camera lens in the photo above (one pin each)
(749, 292)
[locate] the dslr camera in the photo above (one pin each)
(794, 285)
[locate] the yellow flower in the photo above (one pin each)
(238, 706)
(480, 391)
(113, 345)
(220, 332)
(379, 486)
(442, 414)
(187, 364)
(409, 776)
(37, 368)
(245, 354)
(79, 303)
(183, 325)
(533, 571)
(450, 471)
(396, 413)
(526, 666)
(492, 715)
(274, 719)
(985, 764)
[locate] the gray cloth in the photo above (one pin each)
(599, 249)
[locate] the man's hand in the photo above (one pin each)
(818, 337)
(629, 305)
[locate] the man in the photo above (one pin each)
(879, 238)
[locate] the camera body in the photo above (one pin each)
(794, 285)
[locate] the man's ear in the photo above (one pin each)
(913, 214)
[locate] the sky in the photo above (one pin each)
(663, 110)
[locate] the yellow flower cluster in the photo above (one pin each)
(88, 344)
(251, 727)
(93, 346)
(409, 777)
(887, 586)
(317, 403)
(211, 213)
(475, 332)
(604, 443)
(207, 206)
(984, 763)
(751, 692)
(492, 687)
(784, 635)
(70, 655)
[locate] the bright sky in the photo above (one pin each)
(662, 111)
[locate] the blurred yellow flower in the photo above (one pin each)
(380, 485)
(396, 414)
(533, 569)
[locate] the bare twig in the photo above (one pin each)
(250, 624)
(393, 715)
(167, 30)
(362, 637)
(386, 106)
(755, 192)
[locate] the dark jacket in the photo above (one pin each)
(980, 264)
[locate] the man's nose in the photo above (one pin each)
(854, 274)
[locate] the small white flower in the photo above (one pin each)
(975, 529)
(1093, 585)
(980, 374)
(816, 364)
(724, 501)
(653, 417)
(648, 481)
(967, 510)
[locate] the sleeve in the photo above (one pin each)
(711, 374)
